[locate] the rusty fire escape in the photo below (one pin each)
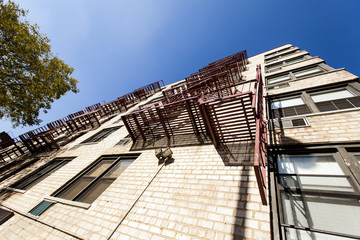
(48, 136)
(214, 101)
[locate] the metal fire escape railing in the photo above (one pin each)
(46, 137)
(184, 107)
(212, 102)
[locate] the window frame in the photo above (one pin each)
(353, 87)
(84, 190)
(42, 176)
(274, 56)
(278, 212)
(125, 141)
(291, 74)
(285, 63)
(101, 135)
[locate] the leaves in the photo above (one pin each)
(31, 78)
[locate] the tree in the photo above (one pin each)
(31, 77)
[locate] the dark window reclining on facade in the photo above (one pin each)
(95, 179)
(97, 137)
(323, 101)
(318, 194)
(38, 175)
(124, 141)
(280, 54)
(279, 65)
(297, 73)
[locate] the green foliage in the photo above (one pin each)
(31, 78)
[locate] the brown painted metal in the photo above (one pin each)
(260, 141)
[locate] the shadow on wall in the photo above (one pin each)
(172, 141)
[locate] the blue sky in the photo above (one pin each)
(118, 46)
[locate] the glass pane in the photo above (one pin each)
(357, 156)
(294, 60)
(334, 214)
(332, 95)
(297, 234)
(278, 79)
(341, 184)
(277, 65)
(99, 168)
(75, 188)
(287, 103)
(94, 191)
(307, 72)
(28, 182)
(49, 167)
(118, 169)
(322, 165)
(39, 209)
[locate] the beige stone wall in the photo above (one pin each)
(334, 127)
(195, 197)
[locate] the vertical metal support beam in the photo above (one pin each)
(259, 168)
(97, 120)
(207, 121)
(138, 127)
(161, 118)
(246, 117)
(54, 143)
(128, 128)
(192, 118)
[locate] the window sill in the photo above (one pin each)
(67, 202)
(16, 190)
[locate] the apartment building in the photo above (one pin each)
(261, 147)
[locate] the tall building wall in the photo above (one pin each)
(199, 194)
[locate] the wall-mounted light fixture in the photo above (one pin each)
(163, 155)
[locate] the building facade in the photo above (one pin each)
(265, 147)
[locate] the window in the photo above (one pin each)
(124, 141)
(97, 137)
(95, 179)
(5, 215)
(289, 107)
(279, 65)
(296, 74)
(318, 196)
(289, 123)
(38, 175)
(117, 121)
(335, 100)
(276, 56)
(330, 100)
(40, 208)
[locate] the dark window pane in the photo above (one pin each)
(326, 106)
(355, 101)
(70, 192)
(94, 191)
(97, 137)
(298, 122)
(38, 175)
(5, 215)
(40, 208)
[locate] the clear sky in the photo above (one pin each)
(117, 46)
